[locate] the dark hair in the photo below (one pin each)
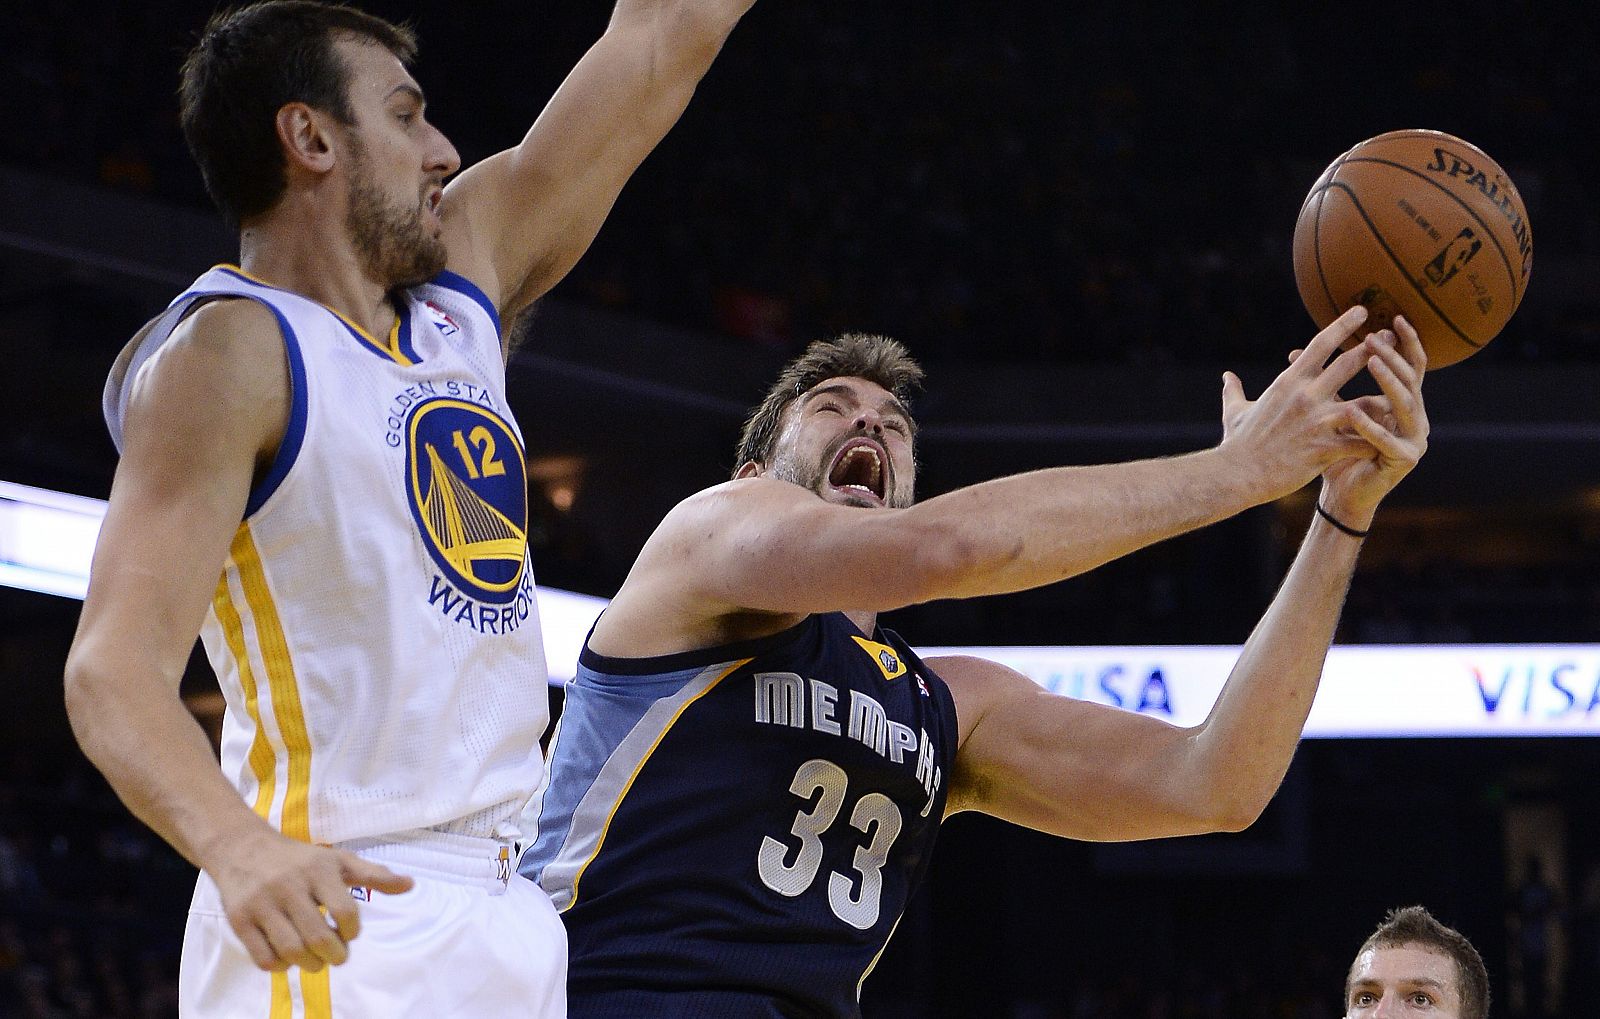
(876, 359)
(247, 64)
(1415, 927)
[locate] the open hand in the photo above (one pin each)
(1300, 427)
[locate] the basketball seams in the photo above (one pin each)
(1511, 272)
(1378, 236)
(1316, 230)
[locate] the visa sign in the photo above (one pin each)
(1366, 691)
(1562, 690)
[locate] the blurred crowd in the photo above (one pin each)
(91, 902)
(1037, 183)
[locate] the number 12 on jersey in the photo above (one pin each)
(875, 815)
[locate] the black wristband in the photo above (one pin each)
(1341, 525)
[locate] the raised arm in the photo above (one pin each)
(772, 547)
(206, 415)
(1092, 772)
(517, 222)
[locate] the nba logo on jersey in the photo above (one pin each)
(441, 318)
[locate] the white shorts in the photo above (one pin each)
(471, 938)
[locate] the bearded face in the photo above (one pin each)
(849, 441)
(391, 235)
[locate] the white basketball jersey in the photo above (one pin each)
(375, 631)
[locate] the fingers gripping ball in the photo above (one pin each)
(1418, 223)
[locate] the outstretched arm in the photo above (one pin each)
(767, 546)
(517, 222)
(1093, 772)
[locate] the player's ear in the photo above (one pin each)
(750, 469)
(303, 135)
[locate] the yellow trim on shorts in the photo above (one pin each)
(286, 708)
(606, 828)
(316, 995)
(262, 763)
(282, 1003)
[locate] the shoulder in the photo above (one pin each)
(972, 669)
(234, 331)
(739, 515)
(977, 684)
(739, 497)
(742, 496)
(225, 362)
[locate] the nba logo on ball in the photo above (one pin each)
(1456, 254)
(1421, 224)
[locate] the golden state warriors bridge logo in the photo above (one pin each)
(469, 495)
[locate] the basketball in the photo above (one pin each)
(1417, 223)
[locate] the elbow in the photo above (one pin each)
(1231, 810)
(85, 693)
(1216, 798)
(1237, 817)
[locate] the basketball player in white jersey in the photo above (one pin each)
(324, 428)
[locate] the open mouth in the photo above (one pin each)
(860, 469)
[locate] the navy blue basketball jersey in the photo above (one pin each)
(736, 831)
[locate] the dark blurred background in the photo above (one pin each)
(1077, 215)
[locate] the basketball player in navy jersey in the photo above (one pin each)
(323, 427)
(749, 773)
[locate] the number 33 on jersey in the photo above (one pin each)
(782, 791)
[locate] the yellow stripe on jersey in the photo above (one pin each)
(316, 995)
(286, 707)
(262, 764)
(391, 350)
(606, 828)
(282, 1004)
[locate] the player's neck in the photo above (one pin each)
(317, 260)
(865, 621)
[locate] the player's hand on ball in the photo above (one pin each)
(289, 902)
(1394, 424)
(1299, 427)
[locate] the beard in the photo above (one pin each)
(810, 476)
(398, 251)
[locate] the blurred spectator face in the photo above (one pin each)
(1403, 982)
